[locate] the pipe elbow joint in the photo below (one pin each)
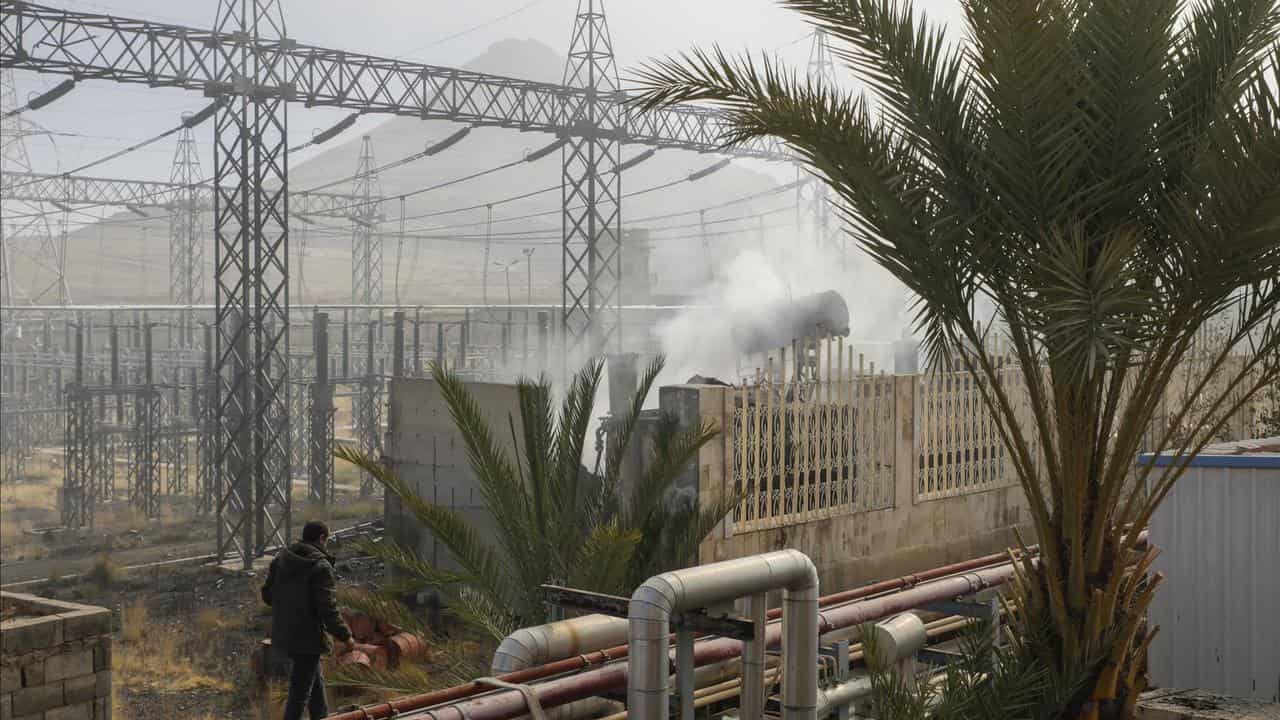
(654, 600)
(515, 652)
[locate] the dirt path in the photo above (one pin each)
(32, 571)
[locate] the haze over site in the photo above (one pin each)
(422, 30)
(525, 38)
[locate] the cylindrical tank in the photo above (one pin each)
(776, 324)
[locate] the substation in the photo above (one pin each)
(230, 397)
(229, 392)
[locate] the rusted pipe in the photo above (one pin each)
(509, 704)
(394, 708)
(541, 644)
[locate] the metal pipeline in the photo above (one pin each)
(541, 644)
(829, 698)
(613, 677)
(409, 703)
(660, 597)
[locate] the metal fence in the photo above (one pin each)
(811, 439)
(812, 430)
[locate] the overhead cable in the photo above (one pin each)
(430, 150)
(325, 136)
(188, 121)
(45, 98)
(531, 157)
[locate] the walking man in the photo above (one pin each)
(304, 612)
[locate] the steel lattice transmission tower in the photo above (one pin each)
(186, 232)
(366, 241)
(251, 294)
(827, 231)
(591, 189)
(25, 229)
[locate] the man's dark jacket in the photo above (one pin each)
(300, 591)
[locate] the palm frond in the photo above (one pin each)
(485, 567)
(604, 559)
(624, 428)
(497, 478)
(418, 573)
(1105, 176)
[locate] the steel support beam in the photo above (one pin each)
(251, 229)
(104, 47)
(77, 478)
(186, 235)
(320, 425)
(591, 189)
(122, 192)
(366, 241)
(369, 411)
(25, 227)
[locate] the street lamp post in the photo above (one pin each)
(528, 267)
(506, 327)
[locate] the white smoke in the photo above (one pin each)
(748, 281)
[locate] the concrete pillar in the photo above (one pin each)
(623, 382)
(691, 405)
(544, 328)
(417, 343)
(440, 351)
(397, 343)
(465, 337)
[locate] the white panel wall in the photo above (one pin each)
(1219, 609)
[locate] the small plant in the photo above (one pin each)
(105, 572)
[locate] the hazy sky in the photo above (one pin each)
(101, 117)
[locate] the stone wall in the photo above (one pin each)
(55, 660)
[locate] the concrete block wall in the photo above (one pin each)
(914, 534)
(858, 547)
(55, 660)
(425, 448)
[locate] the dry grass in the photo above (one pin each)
(16, 544)
(133, 622)
(215, 620)
(37, 492)
(270, 703)
(343, 509)
(155, 658)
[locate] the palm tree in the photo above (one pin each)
(555, 520)
(1105, 174)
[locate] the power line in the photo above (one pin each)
(531, 157)
(430, 150)
(189, 121)
(624, 165)
(662, 216)
(462, 33)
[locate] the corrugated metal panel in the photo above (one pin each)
(1219, 609)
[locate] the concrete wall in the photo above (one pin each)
(55, 660)
(852, 549)
(860, 547)
(424, 447)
